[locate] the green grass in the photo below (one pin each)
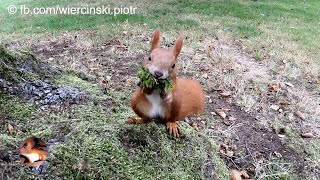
(255, 20)
(262, 24)
(245, 16)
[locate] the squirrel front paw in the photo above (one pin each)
(174, 129)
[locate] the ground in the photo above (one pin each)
(258, 62)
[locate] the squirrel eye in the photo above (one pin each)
(174, 65)
(149, 58)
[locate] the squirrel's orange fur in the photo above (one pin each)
(186, 97)
(33, 149)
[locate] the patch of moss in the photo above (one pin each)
(150, 82)
(16, 67)
(7, 71)
(136, 152)
(14, 107)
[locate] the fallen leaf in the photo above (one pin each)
(221, 113)
(235, 175)
(284, 102)
(225, 94)
(10, 128)
(222, 152)
(300, 115)
(229, 153)
(195, 126)
(274, 86)
(275, 107)
(233, 119)
(307, 135)
(245, 174)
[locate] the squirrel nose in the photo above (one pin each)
(158, 74)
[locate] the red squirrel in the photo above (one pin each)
(33, 150)
(185, 98)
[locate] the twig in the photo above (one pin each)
(233, 162)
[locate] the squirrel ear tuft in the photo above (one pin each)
(178, 46)
(156, 39)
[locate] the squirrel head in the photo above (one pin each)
(161, 63)
(26, 146)
(31, 143)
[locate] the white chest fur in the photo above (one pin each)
(156, 104)
(32, 157)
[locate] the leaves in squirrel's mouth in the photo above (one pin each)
(150, 82)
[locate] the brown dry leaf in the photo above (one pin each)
(10, 128)
(225, 150)
(284, 102)
(235, 175)
(245, 174)
(274, 86)
(300, 115)
(225, 94)
(222, 152)
(307, 135)
(221, 113)
(229, 153)
(195, 126)
(232, 119)
(129, 82)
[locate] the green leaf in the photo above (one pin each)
(150, 82)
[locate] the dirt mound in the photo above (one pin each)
(26, 75)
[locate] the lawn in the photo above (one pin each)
(257, 60)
